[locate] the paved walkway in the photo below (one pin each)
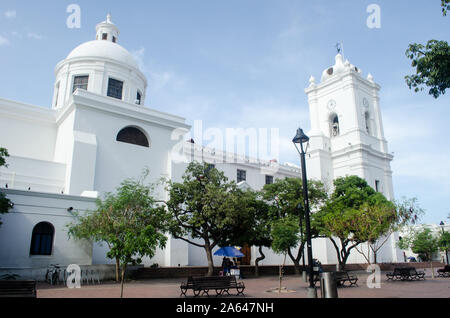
(257, 288)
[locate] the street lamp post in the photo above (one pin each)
(300, 208)
(443, 231)
(299, 140)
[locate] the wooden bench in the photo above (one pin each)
(17, 289)
(444, 272)
(344, 277)
(405, 274)
(341, 279)
(219, 284)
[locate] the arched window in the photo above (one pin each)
(334, 125)
(42, 239)
(367, 122)
(134, 136)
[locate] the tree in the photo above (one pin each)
(355, 213)
(258, 228)
(421, 242)
(130, 222)
(432, 64)
(5, 203)
(444, 242)
(371, 222)
(206, 209)
(285, 235)
(285, 199)
(381, 219)
(445, 4)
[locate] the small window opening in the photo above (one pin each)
(367, 122)
(80, 82)
(115, 88)
(335, 129)
(42, 239)
(269, 179)
(241, 176)
(138, 98)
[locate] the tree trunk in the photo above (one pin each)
(346, 252)
(296, 260)
(117, 270)
(431, 263)
(337, 252)
(258, 260)
(281, 273)
(122, 279)
(209, 256)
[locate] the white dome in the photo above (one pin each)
(104, 49)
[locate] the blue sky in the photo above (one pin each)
(246, 63)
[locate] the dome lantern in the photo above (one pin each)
(107, 31)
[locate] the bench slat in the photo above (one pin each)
(205, 284)
(15, 289)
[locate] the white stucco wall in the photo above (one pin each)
(27, 131)
(31, 208)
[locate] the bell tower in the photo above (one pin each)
(347, 136)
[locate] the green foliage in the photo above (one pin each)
(3, 155)
(371, 222)
(425, 243)
(444, 241)
(355, 213)
(432, 64)
(255, 223)
(351, 196)
(421, 242)
(286, 196)
(285, 234)
(445, 4)
(208, 207)
(5, 203)
(285, 201)
(129, 221)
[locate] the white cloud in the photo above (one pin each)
(11, 14)
(35, 36)
(3, 41)
(139, 57)
(433, 167)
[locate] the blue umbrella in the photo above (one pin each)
(229, 251)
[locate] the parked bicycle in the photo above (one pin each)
(52, 275)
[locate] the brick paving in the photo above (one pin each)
(256, 288)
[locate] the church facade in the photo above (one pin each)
(98, 133)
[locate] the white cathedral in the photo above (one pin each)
(98, 133)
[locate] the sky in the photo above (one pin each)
(246, 63)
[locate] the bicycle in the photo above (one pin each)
(52, 274)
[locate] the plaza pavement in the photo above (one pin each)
(256, 288)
